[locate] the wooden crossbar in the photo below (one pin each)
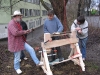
(54, 63)
(61, 42)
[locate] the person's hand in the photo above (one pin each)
(28, 31)
(79, 31)
(78, 28)
(32, 29)
(56, 33)
(50, 39)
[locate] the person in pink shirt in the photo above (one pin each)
(17, 41)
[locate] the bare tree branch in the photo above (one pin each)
(44, 5)
(12, 4)
(0, 3)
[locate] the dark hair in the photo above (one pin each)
(81, 19)
(16, 15)
(50, 12)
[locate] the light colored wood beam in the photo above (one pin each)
(61, 42)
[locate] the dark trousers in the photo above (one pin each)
(22, 55)
(59, 53)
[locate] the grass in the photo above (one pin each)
(92, 67)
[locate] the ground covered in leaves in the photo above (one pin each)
(68, 68)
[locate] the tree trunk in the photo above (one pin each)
(59, 7)
(79, 7)
(88, 2)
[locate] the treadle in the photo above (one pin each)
(57, 61)
(75, 56)
(70, 58)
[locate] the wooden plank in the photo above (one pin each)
(73, 34)
(47, 36)
(57, 62)
(61, 42)
(80, 58)
(46, 63)
(45, 71)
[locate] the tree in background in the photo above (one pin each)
(5, 7)
(59, 7)
(87, 4)
(72, 8)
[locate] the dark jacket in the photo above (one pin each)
(24, 26)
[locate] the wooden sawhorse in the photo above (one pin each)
(75, 54)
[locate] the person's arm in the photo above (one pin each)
(73, 28)
(15, 31)
(85, 30)
(60, 26)
(45, 28)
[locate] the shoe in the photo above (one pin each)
(61, 59)
(40, 64)
(83, 59)
(25, 58)
(18, 71)
(20, 60)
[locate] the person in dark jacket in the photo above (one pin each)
(24, 27)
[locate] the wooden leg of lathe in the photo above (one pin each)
(46, 66)
(80, 58)
(72, 46)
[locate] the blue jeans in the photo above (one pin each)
(82, 45)
(17, 55)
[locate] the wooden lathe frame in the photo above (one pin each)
(75, 54)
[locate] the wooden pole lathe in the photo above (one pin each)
(75, 54)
